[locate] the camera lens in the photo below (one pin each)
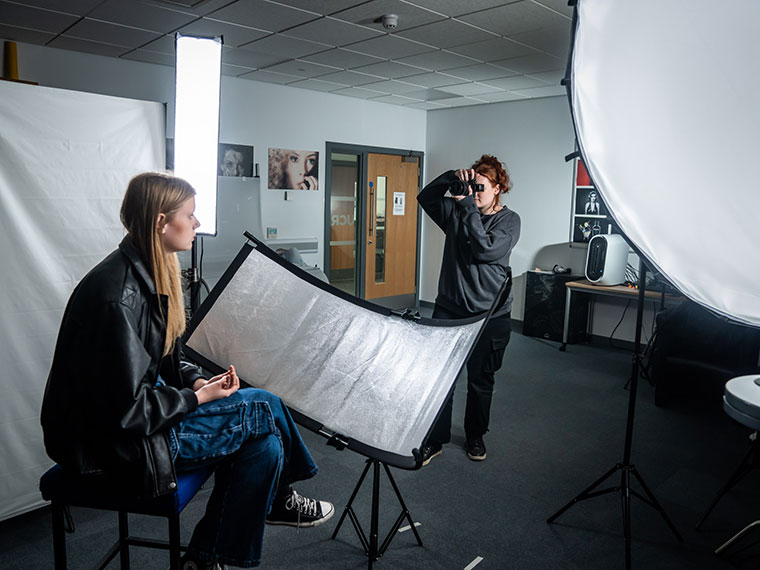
(458, 188)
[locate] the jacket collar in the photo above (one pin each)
(129, 249)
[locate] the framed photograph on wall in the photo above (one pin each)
(590, 216)
(235, 160)
(291, 169)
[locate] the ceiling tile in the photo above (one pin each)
(515, 18)
(481, 71)
(326, 7)
(35, 18)
(262, 15)
(234, 70)
(515, 82)
(249, 58)
(343, 58)
(301, 68)
(438, 60)
(435, 79)
(551, 77)
(446, 33)
(394, 99)
(271, 77)
(332, 32)
(150, 57)
(409, 16)
(359, 92)
(393, 86)
(535, 63)
(424, 105)
(87, 46)
(390, 70)
(546, 91)
(501, 96)
(493, 49)
(460, 101)
(141, 15)
(554, 40)
(429, 94)
(234, 35)
(164, 44)
(285, 47)
(458, 7)
(113, 34)
(13, 33)
(560, 6)
(198, 8)
(74, 7)
(390, 47)
(317, 85)
(350, 78)
(473, 88)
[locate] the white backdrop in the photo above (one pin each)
(65, 160)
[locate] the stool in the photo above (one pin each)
(63, 490)
(741, 401)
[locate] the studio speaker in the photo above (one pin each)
(606, 259)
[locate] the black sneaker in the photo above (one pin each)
(475, 448)
(299, 511)
(430, 450)
(188, 563)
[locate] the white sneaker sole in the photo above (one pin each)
(328, 510)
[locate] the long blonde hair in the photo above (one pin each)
(148, 195)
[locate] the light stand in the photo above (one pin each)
(371, 545)
(194, 278)
(626, 468)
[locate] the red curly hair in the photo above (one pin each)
(490, 167)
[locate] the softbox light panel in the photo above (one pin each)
(664, 100)
(342, 365)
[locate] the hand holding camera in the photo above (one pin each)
(465, 184)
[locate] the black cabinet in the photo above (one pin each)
(544, 313)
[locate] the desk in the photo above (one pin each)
(585, 286)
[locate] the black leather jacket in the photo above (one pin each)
(102, 412)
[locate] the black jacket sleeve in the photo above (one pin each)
(432, 199)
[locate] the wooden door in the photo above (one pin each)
(391, 225)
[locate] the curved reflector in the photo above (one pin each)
(665, 99)
(374, 378)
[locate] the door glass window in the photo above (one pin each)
(379, 223)
(345, 181)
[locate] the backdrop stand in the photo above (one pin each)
(370, 544)
(626, 468)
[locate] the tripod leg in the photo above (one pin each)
(403, 504)
(656, 504)
(351, 500)
(748, 462)
(625, 497)
(373, 529)
(583, 494)
(736, 537)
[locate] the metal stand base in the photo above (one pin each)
(370, 545)
(751, 461)
(626, 491)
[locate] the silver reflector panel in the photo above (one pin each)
(372, 377)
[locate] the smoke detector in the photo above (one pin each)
(389, 21)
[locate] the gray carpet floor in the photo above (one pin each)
(558, 423)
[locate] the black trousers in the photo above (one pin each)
(484, 362)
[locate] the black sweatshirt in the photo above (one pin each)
(476, 251)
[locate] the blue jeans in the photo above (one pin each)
(252, 440)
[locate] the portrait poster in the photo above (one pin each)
(235, 160)
(291, 169)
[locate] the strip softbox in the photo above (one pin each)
(373, 380)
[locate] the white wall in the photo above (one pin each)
(252, 113)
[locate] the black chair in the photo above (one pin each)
(64, 490)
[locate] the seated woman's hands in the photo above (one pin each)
(218, 387)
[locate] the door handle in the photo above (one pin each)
(371, 210)
(369, 242)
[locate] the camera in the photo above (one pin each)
(459, 187)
